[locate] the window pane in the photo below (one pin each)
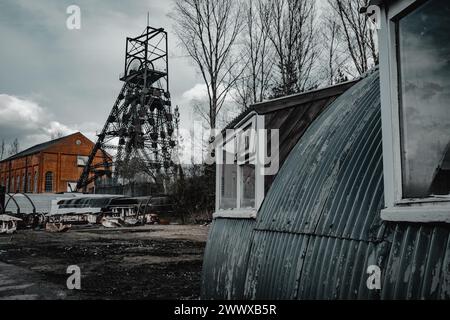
(49, 182)
(424, 68)
(82, 161)
(35, 182)
(247, 186)
(228, 199)
(247, 142)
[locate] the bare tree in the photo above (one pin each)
(356, 33)
(208, 30)
(291, 27)
(14, 147)
(256, 55)
(334, 56)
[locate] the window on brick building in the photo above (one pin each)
(82, 161)
(29, 189)
(49, 181)
(35, 187)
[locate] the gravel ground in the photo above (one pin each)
(150, 262)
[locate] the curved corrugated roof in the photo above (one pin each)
(316, 187)
(319, 227)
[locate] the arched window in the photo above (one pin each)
(29, 186)
(35, 182)
(49, 181)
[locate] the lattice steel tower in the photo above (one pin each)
(138, 132)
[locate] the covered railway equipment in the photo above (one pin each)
(35, 211)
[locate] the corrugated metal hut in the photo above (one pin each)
(337, 222)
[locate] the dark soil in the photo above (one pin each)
(163, 262)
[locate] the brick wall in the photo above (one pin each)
(58, 162)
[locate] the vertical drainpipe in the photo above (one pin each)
(58, 173)
(41, 172)
(26, 175)
(9, 179)
(2, 200)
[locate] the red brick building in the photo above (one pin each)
(50, 167)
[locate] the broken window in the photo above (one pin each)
(424, 92)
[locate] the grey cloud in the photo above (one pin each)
(73, 75)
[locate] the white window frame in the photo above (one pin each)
(82, 160)
(396, 207)
(257, 123)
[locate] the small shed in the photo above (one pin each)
(360, 208)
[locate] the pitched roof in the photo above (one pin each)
(293, 100)
(38, 148)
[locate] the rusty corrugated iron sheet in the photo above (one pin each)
(319, 227)
(418, 265)
(315, 191)
(224, 270)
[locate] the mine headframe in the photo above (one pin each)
(140, 127)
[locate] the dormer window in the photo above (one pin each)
(415, 97)
(228, 175)
(240, 184)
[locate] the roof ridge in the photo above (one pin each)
(37, 146)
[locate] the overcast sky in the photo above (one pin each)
(55, 79)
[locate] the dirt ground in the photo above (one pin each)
(150, 262)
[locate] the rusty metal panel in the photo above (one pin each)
(335, 268)
(226, 256)
(275, 265)
(419, 263)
